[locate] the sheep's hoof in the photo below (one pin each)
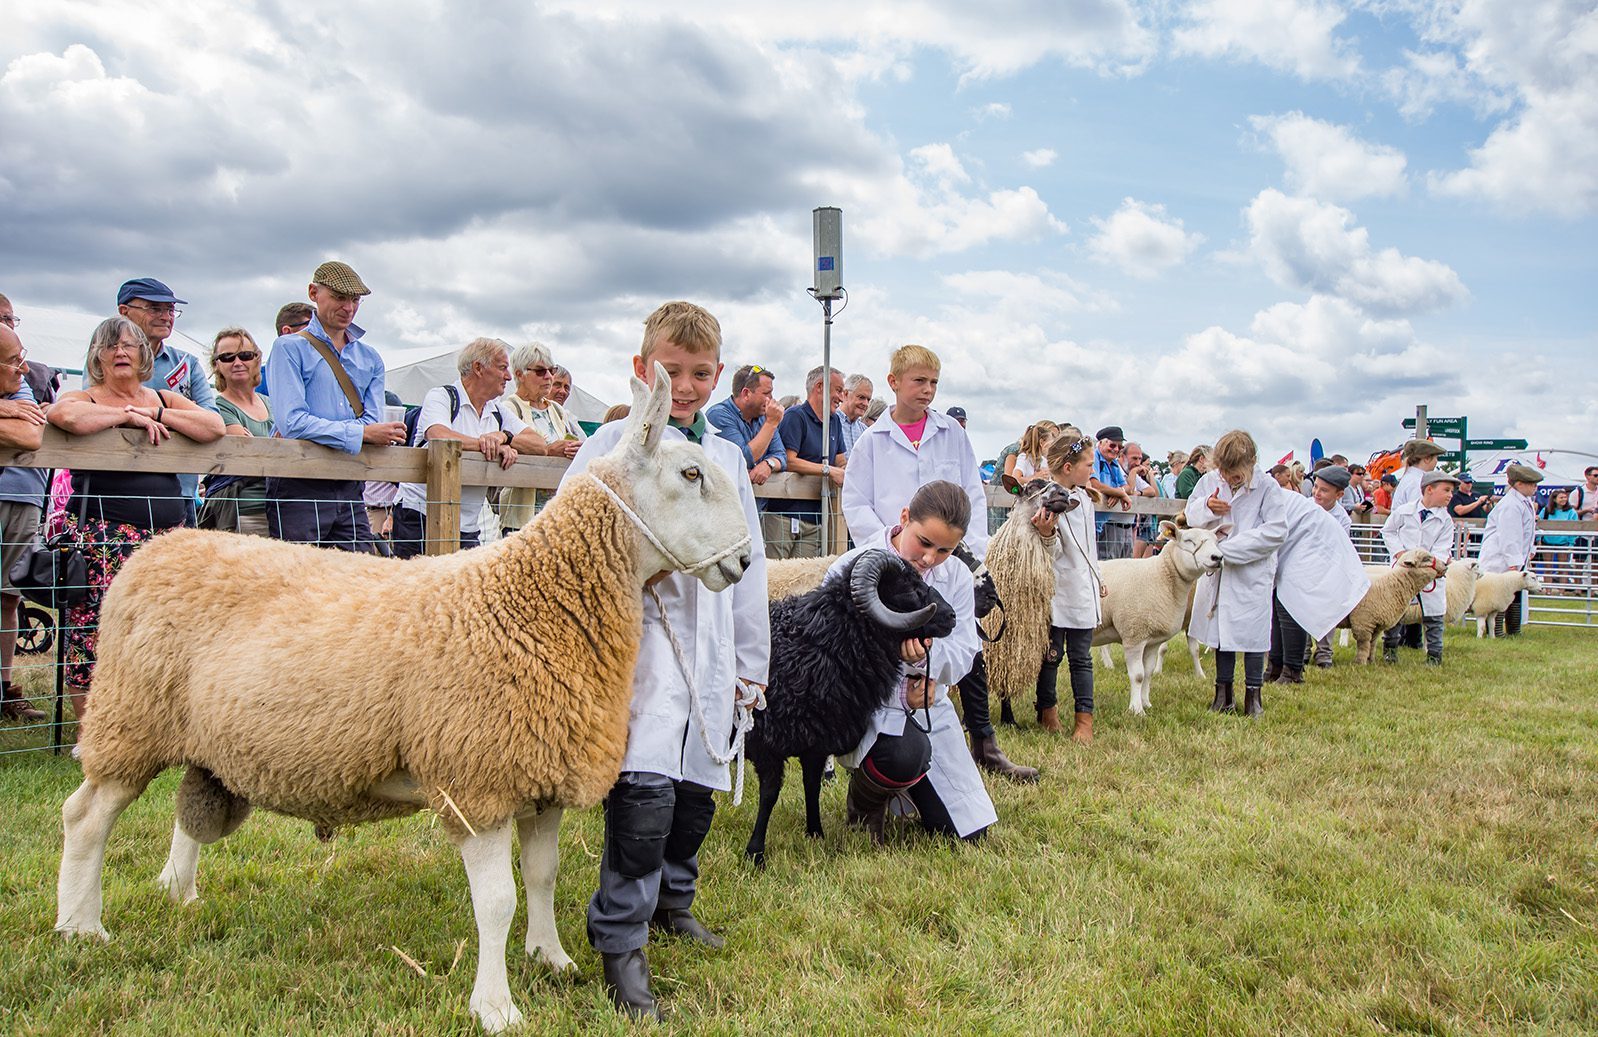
(812, 833)
(756, 857)
(556, 958)
(495, 1015)
(70, 931)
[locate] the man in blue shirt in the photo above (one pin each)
(1114, 528)
(152, 306)
(21, 501)
(797, 523)
(852, 411)
(749, 418)
(309, 403)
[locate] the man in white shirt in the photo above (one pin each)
(469, 411)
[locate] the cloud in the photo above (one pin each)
(1039, 158)
(994, 110)
(1305, 244)
(1327, 161)
(1296, 36)
(1141, 240)
(939, 162)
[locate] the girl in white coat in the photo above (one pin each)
(1078, 588)
(1319, 580)
(1232, 607)
(902, 753)
(1511, 535)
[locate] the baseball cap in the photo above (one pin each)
(148, 289)
(958, 413)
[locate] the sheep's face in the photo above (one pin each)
(1529, 581)
(1197, 551)
(902, 591)
(1415, 559)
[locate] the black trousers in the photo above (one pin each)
(1076, 645)
(1289, 642)
(1253, 667)
(974, 700)
(324, 512)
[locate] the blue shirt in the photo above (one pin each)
(801, 432)
(852, 431)
(307, 402)
(185, 374)
(731, 426)
(1109, 473)
(22, 485)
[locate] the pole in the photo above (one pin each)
(1420, 422)
(826, 422)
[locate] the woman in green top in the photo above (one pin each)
(236, 504)
(1198, 462)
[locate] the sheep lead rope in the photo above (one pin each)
(649, 534)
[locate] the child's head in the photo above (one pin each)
(1236, 455)
(1559, 501)
(1421, 453)
(932, 524)
(913, 377)
(1070, 458)
(686, 340)
(1199, 457)
(1436, 488)
(1523, 479)
(1036, 439)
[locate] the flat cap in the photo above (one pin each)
(1438, 476)
(148, 289)
(1522, 473)
(341, 278)
(1333, 475)
(1111, 432)
(1415, 449)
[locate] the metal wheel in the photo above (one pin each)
(35, 629)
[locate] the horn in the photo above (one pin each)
(864, 588)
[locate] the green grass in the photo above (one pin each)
(1389, 849)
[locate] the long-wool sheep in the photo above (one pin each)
(1383, 605)
(1023, 574)
(834, 662)
(490, 685)
(1495, 592)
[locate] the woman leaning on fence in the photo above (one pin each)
(112, 511)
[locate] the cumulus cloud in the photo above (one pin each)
(1327, 161)
(1141, 239)
(1302, 243)
(1296, 36)
(1039, 158)
(994, 110)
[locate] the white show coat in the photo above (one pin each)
(1076, 567)
(953, 774)
(724, 634)
(1344, 520)
(1408, 488)
(885, 471)
(1404, 530)
(1319, 577)
(1232, 608)
(1511, 534)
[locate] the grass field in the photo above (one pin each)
(1388, 850)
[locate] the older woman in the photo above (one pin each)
(233, 503)
(534, 371)
(111, 512)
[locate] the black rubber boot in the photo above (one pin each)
(1223, 698)
(681, 922)
(1434, 658)
(1253, 706)
(867, 805)
(627, 980)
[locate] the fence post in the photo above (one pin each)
(443, 496)
(838, 530)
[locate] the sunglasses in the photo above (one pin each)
(542, 371)
(244, 354)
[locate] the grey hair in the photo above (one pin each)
(813, 379)
(561, 372)
(109, 333)
(874, 411)
(480, 351)
(533, 354)
(855, 381)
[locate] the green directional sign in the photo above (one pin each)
(1452, 456)
(1495, 444)
(1439, 425)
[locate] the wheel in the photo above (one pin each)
(35, 629)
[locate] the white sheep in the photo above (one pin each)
(1149, 598)
(787, 577)
(1459, 590)
(1495, 593)
(1391, 592)
(491, 686)
(1195, 647)
(1023, 574)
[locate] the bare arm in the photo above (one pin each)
(21, 424)
(185, 417)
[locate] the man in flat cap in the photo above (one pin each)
(1424, 523)
(152, 306)
(1511, 536)
(326, 386)
(1109, 479)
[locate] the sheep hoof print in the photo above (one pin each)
(472, 694)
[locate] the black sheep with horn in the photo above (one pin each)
(834, 663)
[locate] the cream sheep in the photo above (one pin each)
(1391, 592)
(1495, 593)
(787, 577)
(1195, 648)
(491, 686)
(1460, 590)
(1023, 575)
(1148, 600)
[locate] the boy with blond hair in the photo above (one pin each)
(659, 811)
(910, 446)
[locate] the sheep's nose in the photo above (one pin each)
(743, 562)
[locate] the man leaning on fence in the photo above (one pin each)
(749, 418)
(21, 500)
(798, 532)
(326, 386)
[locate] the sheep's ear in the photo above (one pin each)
(1180, 520)
(1168, 529)
(651, 410)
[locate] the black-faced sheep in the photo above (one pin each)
(834, 663)
(491, 686)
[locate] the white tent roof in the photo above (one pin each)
(1559, 467)
(412, 381)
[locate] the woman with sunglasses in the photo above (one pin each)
(232, 503)
(534, 371)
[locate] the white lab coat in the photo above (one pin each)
(724, 634)
(954, 774)
(1404, 530)
(1319, 577)
(1076, 568)
(1232, 608)
(885, 471)
(1511, 534)
(1344, 520)
(1408, 488)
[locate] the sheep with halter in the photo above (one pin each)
(1390, 594)
(1022, 567)
(490, 686)
(834, 662)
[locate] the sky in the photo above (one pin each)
(1298, 217)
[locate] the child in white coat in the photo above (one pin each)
(1511, 535)
(1232, 607)
(1078, 588)
(1424, 523)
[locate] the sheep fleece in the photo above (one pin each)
(1023, 574)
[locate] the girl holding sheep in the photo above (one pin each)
(1232, 607)
(1074, 612)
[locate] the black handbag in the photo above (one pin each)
(54, 574)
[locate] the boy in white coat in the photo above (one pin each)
(909, 446)
(1511, 535)
(1420, 456)
(659, 811)
(1232, 607)
(1319, 579)
(1424, 523)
